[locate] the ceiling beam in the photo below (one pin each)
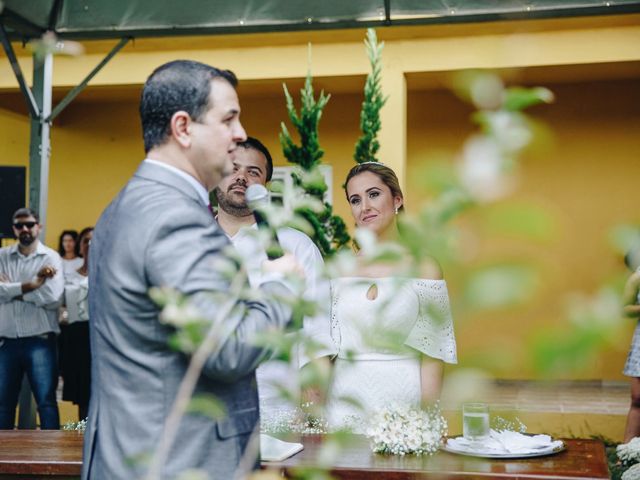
(18, 27)
(54, 14)
(79, 88)
(34, 111)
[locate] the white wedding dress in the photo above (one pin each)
(379, 343)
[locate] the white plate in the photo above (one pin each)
(478, 452)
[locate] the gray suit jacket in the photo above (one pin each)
(157, 232)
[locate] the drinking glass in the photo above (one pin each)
(475, 422)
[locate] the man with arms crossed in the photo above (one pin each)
(159, 232)
(253, 165)
(31, 287)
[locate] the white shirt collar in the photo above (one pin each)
(202, 192)
(243, 231)
(239, 233)
(40, 250)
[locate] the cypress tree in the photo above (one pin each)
(329, 231)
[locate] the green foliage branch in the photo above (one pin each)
(329, 231)
(367, 145)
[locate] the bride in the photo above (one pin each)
(392, 332)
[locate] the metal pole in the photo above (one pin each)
(17, 71)
(40, 145)
(39, 149)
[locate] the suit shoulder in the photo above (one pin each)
(158, 201)
(187, 217)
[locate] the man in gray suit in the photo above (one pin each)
(159, 232)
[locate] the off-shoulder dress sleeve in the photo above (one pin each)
(433, 333)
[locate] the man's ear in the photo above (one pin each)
(181, 128)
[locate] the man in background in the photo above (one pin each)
(253, 164)
(31, 286)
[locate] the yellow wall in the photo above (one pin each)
(96, 145)
(586, 179)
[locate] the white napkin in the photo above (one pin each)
(275, 450)
(506, 442)
(514, 442)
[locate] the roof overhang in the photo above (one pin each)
(98, 19)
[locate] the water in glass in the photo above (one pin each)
(475, 421)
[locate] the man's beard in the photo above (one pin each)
(234, 208)
(26, 239)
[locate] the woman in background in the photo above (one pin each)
(68, 250)
(631, 302)
(392, 332)
(75, 363)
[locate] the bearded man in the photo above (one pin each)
(31, 287)
(252, 165)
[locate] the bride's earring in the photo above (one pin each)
(396, 210)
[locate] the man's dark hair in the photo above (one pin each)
(256, 144)
(25, 212)
(179, 85)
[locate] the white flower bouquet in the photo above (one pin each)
(403, 430)
(629, 452)
(629, 455)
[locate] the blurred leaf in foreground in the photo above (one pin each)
(524, 220)
(500, 286)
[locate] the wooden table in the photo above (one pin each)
(44, 454)
(583, 459)
(40, 454)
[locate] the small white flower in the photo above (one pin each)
(483, 169)
(287, 420)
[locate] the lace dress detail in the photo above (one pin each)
(432, 333)
(379, 342)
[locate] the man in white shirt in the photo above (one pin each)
(253, 164)
(31, 286)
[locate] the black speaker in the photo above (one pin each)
(12, 196)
